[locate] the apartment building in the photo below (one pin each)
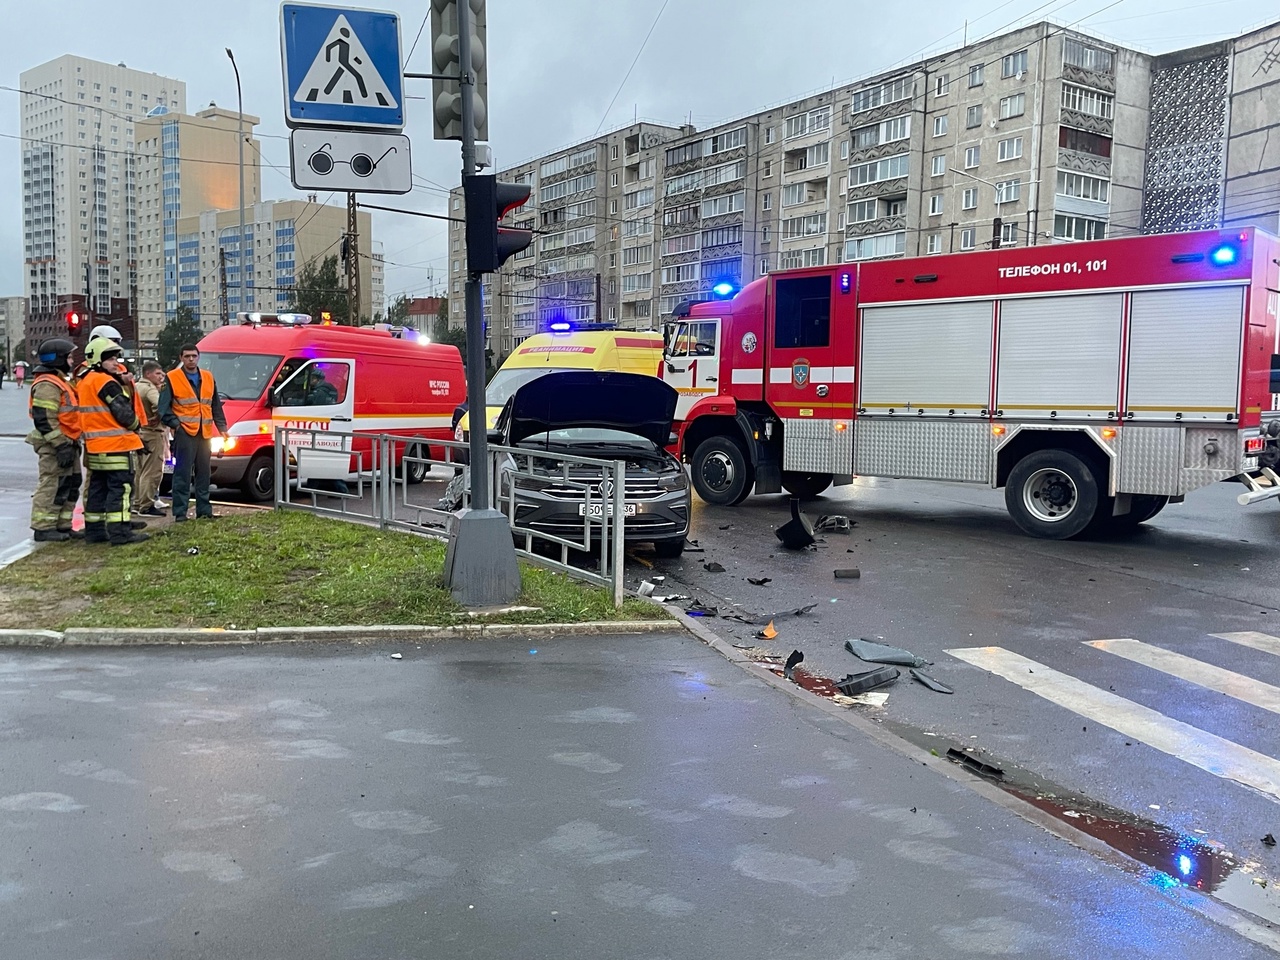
(79, 175)
(187, 164)
(13, 323)
(376, 306)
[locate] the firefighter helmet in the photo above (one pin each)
(99, 350)
(56, 350)
(107, 331)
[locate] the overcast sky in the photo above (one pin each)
(554, 67)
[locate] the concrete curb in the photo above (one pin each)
(162, 636)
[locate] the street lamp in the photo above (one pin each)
(240, 145)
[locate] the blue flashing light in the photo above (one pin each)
(724, 289)
(1184, 864)
(561, 326)
(1224, 256)
(846, 282)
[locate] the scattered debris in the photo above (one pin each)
(833, 524)
(758, 619)
(758, 653)
(759, 581)
(671, 598)
(698, 609)
(974, 764)
(727, 526)
(928, 681)
(712, 567)
(769, 632)
(691, 546)
(645, 589)
(873, 652)
(1071, 813)
(849, 573)
(1154, 806)
(1269, 840)
(796, 533)
(1259, 881)
(788, 667)
(873, 699)
(397, 656)
(855, 683)
(193, 551)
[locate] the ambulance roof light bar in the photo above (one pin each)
(287, 319)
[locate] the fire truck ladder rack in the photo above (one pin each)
(1259, 490)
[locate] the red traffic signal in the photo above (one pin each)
(489, 246)
(73, 322)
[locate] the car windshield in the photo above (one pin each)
(508, 381)
(586, 437)
(240, 376)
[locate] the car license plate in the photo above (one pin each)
(598, 510)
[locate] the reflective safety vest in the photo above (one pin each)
(102, 433)
(138, 408)
(68, 404)
(194, 413)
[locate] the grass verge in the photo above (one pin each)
(271, 569)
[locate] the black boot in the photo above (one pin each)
(137, 524)
(73, 534)
(49, 536)
(131, 538)
(96, 532)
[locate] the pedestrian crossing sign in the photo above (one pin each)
(341, 67)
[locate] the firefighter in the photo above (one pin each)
(55, 415)
(109, 426)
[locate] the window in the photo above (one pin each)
(726, 236)
(794, 193)
(613, 152)
(804, 226)
(969, 199)
(1082, 187)
(1091, 102)
(764, 266)
(726, 141)
(637, 228)
(768, 169)
(802, 312)
(646, 169)
(942, 84)
(1008, 234)
(891, 92)
(807, 123)
(935, 205)
(1078, 228)
(634, 282)
(863, 211)
(897, 128)
(766, 201)
(1071, 139)
(633, 255)
(889, 168)
(1081, 55)
(613, 179)
(972, 157)
(690, 151)
(765, 235)
(553, 167)
(844, 149)
(725, 173)
(1014, 106)
(975, 74)
(638, 199)
(940, 125)
(1007, 191)
(1014, 65)
(816, 156)
(1010, 149)
(583, 157)
(817, 257)
(768, 135)
(934, 243)
(938, 166)
(685, 244)
(973, 116)
(564, 188)
(843, 185)
(968, 238)
(681, 273)
(731, 203)
(882, 245)
(681, 184)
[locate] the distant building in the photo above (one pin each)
(377, 302)
(13, 322)
(423, 312)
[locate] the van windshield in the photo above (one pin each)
(240, 376)
(506, 382)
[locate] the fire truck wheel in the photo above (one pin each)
(259, 483)
(1052, 494)
(806, 486)
(1141, 509)
(720, 472)
(415, 472)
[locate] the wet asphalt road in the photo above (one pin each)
(636, 797)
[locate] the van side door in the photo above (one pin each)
(311, 400)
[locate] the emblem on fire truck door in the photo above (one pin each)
(749, 342)
(800, 373)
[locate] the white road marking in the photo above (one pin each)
(1202, 674)
(1210, 753)
(1251, 638)
(16, 552)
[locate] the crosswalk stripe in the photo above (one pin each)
(1202, 674)
(1210, 753)
(1251, 638)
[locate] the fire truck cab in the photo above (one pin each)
(1095, 382)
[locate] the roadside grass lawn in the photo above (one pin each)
(271, 568)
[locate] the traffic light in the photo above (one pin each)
(73, 322)
(446, 95)
(489, 245)
(996, 233)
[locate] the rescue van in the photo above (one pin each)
(279, 370)
(599, 348)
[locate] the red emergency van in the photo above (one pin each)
(281, 370)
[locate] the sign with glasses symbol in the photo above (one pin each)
(358, 162)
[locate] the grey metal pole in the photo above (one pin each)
(240, 144)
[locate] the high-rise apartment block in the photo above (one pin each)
(79, 178)
(1040, 135)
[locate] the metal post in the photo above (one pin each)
(618, 505)
(240, 145)
(353, 261)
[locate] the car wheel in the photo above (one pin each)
(806, 486)
(415, 472)
(1053, 494)
(669, 549)
(259, 483)
(720, 472)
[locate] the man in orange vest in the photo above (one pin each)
(190, 407)
(109, 426)
(55, 417)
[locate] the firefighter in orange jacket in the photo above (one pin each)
(109, 427)
(55, 418)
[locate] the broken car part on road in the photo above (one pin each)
(873, 652)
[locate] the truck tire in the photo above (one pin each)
(414, 472)
(1142, 507)
(806, 486)
(720, 472)
(259, 483)
(1052, 494)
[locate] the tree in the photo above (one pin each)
(318, 290)
(398, 312)
(181, 328)
(19, 352)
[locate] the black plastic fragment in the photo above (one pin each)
(759, 581)
(934, 685)
(795, 658)
(856, 683)
(974, 764)
(796, 533)
(873, 652)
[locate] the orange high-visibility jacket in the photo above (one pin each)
(102, 432)
(194, 413)
(68, 404)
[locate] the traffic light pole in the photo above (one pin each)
(481, 568)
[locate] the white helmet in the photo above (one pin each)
(107, 331)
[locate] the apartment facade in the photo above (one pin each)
(186, 165)
(79, 178)
(1035, 136)
(13, 324)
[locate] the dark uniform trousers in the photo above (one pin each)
(190, 456)
(107, 502)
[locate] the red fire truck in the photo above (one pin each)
(1095, 382)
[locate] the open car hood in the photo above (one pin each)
(632, 402)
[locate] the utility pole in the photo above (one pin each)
(222, 285)
(599, 317)
(240, 147)
(353, 260)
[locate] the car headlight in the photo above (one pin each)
(219, 445)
